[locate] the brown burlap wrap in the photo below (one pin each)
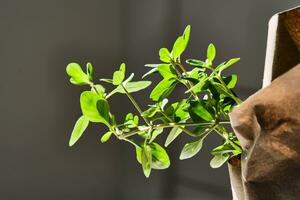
(268, 123)
(268, 127)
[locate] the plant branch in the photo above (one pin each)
(188, 84)
(236, 99)
(172, 124)
(135, 104)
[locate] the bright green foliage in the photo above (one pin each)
(174, 133)
(203, 108)
(147, 160)
(164, 55)
(218, 160)
(77, 76)
(80, 126)
(119, 75)
(160, 159)
(106, 136)
(211, 53)
(94, 108)
(163, 89)
(90, 71)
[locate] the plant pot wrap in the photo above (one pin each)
(268, 127)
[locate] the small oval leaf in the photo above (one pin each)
(79, 128)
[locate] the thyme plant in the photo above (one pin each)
(202, 110)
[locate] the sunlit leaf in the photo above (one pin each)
(218, 160)
(198, 109)
(131, 87)
(164, 55)
(163, 89)
(186, 36)
(146, 160)
(211, 52)
(174, 133)
(155, 133)
(196, 63)
(166, 71)
(77, 76)
(106, 137)
(119, 75)
(90, 70)
(160, 158)
(231, 81)
(178, 48)
(94, 107)
(227, 64)
(79, 128)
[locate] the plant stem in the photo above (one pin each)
(189, 85)
(157, 126)
(182, 128)
(236, 99)
(135, 105)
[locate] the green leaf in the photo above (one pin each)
(191, 149)
(221, 89)
(178, 111)
(106, 137)
(186, 36)
(155, 133)
(166, 71)
(77, 76)
(103, 109)
(79, 128)
(198, 87)
(151, 71)
(152, 65)
(91, 109)
(128, 79)
(178, 48)
(146, 160)
(136, 120)
(106, 80)
(198, 109)
(123, 68)
(227, 64)
(160, 158)
(131, 87)
(131, 121)
(119, 75)
(231, 81)
(218, 160)
(164, 55)
(174, 133)
(211, 53)
(150, 112)
(196, 63)
(223, 149)
(163, 89)
(99, 89)
(90, 70)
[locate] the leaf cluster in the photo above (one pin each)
(202, 110)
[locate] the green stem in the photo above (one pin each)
(135, 104)
(182, 128)
(236, 99)
(168, 125)
(226, 138)
(188, 84)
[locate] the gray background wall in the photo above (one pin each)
(39, 107)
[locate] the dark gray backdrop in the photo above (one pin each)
(39, 107)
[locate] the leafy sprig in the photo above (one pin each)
(202, 110)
